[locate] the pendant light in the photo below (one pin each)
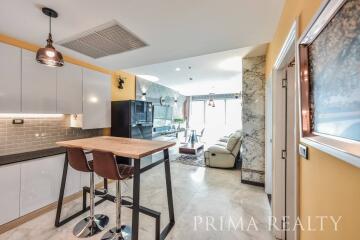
(211, 100)
(49, 55)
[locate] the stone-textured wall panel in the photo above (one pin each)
(253, 118)
(156, 91)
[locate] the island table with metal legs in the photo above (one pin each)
(130, 148)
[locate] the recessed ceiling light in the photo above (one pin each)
(190, 78)
(177, 69)
(149, 78)
(232, 64)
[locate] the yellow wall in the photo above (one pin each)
(127, 93)
(305, 10)
(328, 186)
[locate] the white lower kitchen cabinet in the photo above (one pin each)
(96, 100)
(40, 182)
(73, 181)
(85, 177)
(10, 188)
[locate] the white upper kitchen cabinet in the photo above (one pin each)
(10, 192)
(38, 85)
(10, 79)
(96, 100)
(69, 89)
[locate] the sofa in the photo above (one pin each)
(225, 152)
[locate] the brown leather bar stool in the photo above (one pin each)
(105, 166)
(92, 224)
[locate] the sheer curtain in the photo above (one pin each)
(218, 121)
(197, 117)
(233, 115)
(215, 121)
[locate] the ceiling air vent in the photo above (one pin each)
(105, 40)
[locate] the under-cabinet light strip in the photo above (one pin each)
(30, 115)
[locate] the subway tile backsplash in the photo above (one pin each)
(38, 133)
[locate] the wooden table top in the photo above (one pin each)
(124, 147)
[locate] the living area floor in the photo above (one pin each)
(202, 197)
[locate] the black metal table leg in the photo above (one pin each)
(168, 227)
(168, 186)
(62, 190)
(136, 200)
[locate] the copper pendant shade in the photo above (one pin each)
(49, 55)
(211, 100)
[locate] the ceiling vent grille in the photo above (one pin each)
(104, 40)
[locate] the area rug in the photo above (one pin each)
(193, 160)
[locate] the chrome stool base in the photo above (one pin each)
(87, 227)
(113, 235)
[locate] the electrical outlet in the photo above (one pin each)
(303, 151)
(18, 121)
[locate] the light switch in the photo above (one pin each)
(303, 151)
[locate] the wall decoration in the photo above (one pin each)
(121, 82)
(330, 75)
(162, 101)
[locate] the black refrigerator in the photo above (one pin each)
(131, 119)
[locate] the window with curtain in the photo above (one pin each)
(215, 120)
(233, 115)
(218, 121)
(197, 115)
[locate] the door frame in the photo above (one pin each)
(287, 53)
(268, 136)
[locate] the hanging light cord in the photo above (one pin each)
(50, 24)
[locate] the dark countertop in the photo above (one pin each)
(21, 157)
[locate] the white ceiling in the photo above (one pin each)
(212, 73)
(174, 29)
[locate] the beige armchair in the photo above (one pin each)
(223, 155)
(225, 139)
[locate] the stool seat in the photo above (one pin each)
(94, 223)
(105, 165)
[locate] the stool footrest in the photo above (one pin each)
(101, 192)
(128, 199)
